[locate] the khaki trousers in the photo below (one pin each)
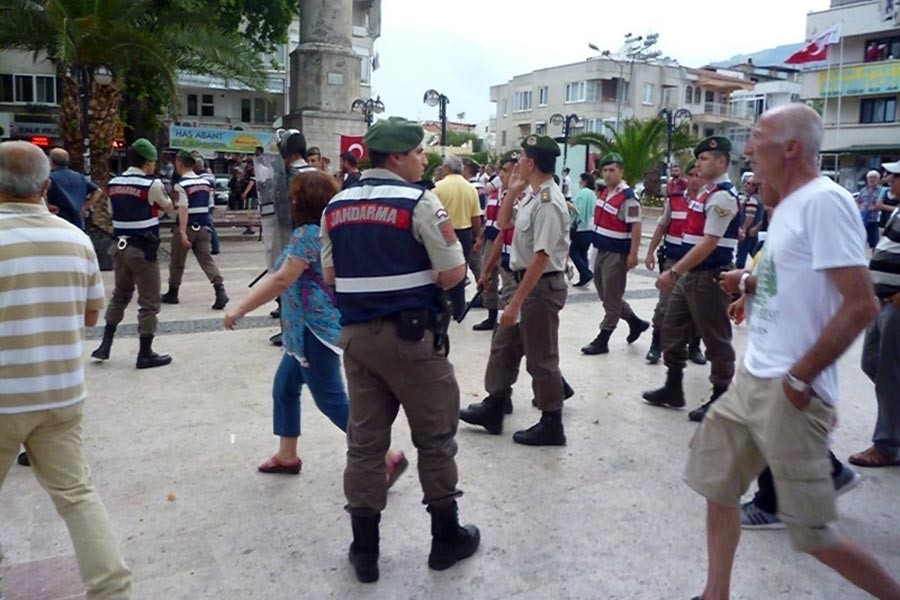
(659, 312)
(202, 249)
(698, 305)
(610, 273)
(508, 287)
(539, 328)
(133, 270)
(491, 297)
(384, 373)
(53, 441)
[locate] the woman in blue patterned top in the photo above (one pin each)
(311, 328)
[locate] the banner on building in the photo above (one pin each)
(354, 144)
(218, 140)
(878, 78)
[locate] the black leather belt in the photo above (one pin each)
(519, 275)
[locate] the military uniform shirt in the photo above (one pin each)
(542, 225)
(721, 208)
(431, 227)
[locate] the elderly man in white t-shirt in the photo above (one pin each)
(811, 297)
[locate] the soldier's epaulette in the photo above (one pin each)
(545, 195)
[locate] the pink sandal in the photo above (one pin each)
(274, 465)
(395, 468)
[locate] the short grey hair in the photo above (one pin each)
(198, 163)
(24, 169)
(797, 121)
(454, 164)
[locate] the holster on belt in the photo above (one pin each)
(147, 243)
(441, 323)
(660, 257)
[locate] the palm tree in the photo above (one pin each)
(642, 145)
(118, 37)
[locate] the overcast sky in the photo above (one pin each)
(461, 48)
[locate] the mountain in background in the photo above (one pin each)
(773, 57)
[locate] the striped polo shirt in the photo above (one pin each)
(49, 278)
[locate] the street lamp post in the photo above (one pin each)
(368, 108)
(671, 118)
(84, 88)
(566, 122)
(435, 98)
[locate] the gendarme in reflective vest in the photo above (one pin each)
(377, 216)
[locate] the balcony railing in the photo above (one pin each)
(727, 110)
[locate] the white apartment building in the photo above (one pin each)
(602, 91)
(30, 91)
(862, 123)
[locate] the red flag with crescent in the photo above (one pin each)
(354, 144)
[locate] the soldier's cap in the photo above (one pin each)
(541, 143)
(690, 165)
(714, 142)
(508, 156)
(145, 148)
(186, 157)
(394, 135)
(471, 163)
(892, 167)
(612, 158)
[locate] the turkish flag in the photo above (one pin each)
(817, 49)
(354, 144)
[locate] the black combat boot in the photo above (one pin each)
(489, 323)
(488, 413)
(221, 297)
(547, 432)
(636, 327)
(450, 541)
(671, 394)
(655, 351)
(698, 413)
(102, 351)
(364, 549)
(147, 358)
(568, 392)
(276, 340)
(170, 297)
(600, 344)
(695, 354)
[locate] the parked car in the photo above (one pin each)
(639, 188)
(221, 191)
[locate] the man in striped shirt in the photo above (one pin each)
(51, 290)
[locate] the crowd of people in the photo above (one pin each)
(377, 267)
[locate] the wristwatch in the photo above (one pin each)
(796, 384)
(742, 284)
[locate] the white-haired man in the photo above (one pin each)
(869, 201)
(812, 296)
(51, 290)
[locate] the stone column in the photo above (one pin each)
(325, 76)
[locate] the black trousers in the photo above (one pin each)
(765, 498)
(458, 292)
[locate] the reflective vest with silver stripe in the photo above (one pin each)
(678, 213)
(491, 212)
(506, 249)
(723, 255)
(612, 234)
(132, 213)
(198, 192)
(380, 268)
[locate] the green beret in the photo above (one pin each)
(541, 143)
(690, 165)
(394, 135)
(613, 158)
(509, 156)
(186, 157)
(715, 142)
(144, 148)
